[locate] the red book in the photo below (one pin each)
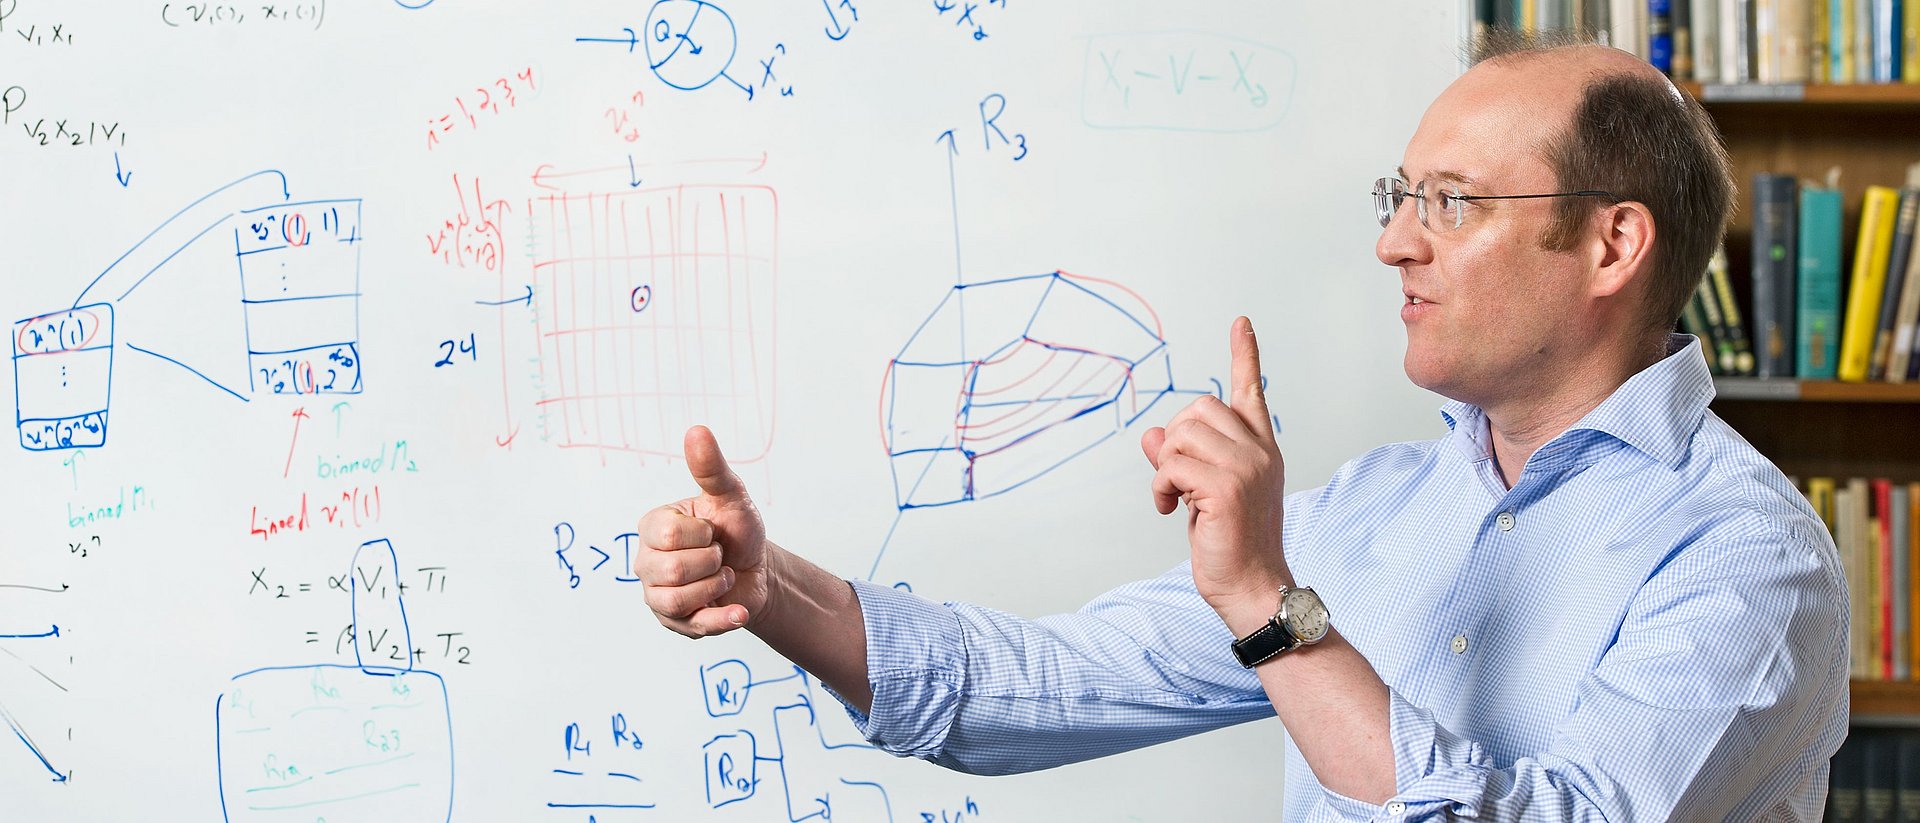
(1883, 559)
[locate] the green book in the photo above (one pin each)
(1818, 327)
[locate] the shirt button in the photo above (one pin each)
(1506, 521)
(1459, 643)
(1396, 807)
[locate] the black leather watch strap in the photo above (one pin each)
(1264, 644)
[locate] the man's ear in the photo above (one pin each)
(1623, 245)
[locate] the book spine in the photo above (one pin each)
(1896, 274)
(1820, 68)
(1882, 607)
(1886, 41)
(1904, 308)
(1840, 41)
(1766, 41)
(1913, 584)
(1899, 549)
(1869, 280)
(1850, 502)
(1882, 772)
(1910, 73)
(1863, 40)
(1705, 17)
(1820, 495)
(1723, 356)
(1817, 329)
(1906, 799)
(1847, 782)
(1729, 306)
(1693, 320)
(1660, 34)
(1682, 40)
(1774, 258)
(1793, 37)
(1734, 32)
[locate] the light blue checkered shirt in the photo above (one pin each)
(1650, 625)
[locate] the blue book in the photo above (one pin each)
(1775, 256)
(1660, 34)
(1817, 334)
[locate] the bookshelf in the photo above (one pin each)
(1824, 428)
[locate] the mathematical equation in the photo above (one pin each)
(66, 132)
(491, 98)
(181, 15)
(472, 236)
(969, 17)
(615, 562)
(40, 32)
(1185, 81)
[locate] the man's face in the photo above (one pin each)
(1494, 306)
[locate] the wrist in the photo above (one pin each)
(1248, 609)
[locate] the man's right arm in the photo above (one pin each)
(708, 569)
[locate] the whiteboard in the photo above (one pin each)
(350, 340)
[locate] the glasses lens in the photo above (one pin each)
(1387, 194)
(1448, 210)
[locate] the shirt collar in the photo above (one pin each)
(1655, 411)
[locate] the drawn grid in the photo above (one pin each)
(655, 311)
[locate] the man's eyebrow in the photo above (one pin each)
(1449, 176)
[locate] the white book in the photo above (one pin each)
(1627, 24)
(1706, 39)
(1733, 42)
(1793, 40)
(1766, 41)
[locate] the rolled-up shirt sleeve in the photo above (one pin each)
(986, 692)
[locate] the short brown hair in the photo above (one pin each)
(1643, 140)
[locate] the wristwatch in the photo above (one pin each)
(1300, 621)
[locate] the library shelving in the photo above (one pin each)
(1811, 428)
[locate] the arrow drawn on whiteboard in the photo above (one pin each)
(73, 462)
(53, 632)
(525, 298)
(299, 414)
(284, 195)
(28, 741)
(123, 178)
(337, 416)
(633, 176)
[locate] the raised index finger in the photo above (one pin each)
(1247, 399)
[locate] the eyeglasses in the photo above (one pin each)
(1442, 208)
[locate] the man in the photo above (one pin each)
(1589, 600)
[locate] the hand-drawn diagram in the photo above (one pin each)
(655, 311)
(371, 742)
(1059, 362)
(1185, 81)
(21, 677)
(688, 44)
(297, 318)
(800, 756)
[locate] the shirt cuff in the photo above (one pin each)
(916, 665)
(1422, 748)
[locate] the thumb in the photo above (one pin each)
(1246, 397)
(1151, 443)
(709, 467)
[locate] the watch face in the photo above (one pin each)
(1306, 616)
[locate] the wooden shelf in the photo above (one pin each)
(1887, 701)
(1896, 95)
(1818, 391)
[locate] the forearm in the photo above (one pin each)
(813, 619)
(1334, 706)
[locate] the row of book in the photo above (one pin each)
(1875, 777)
(1796, 324)
(1873, 522)
(1739, 41)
